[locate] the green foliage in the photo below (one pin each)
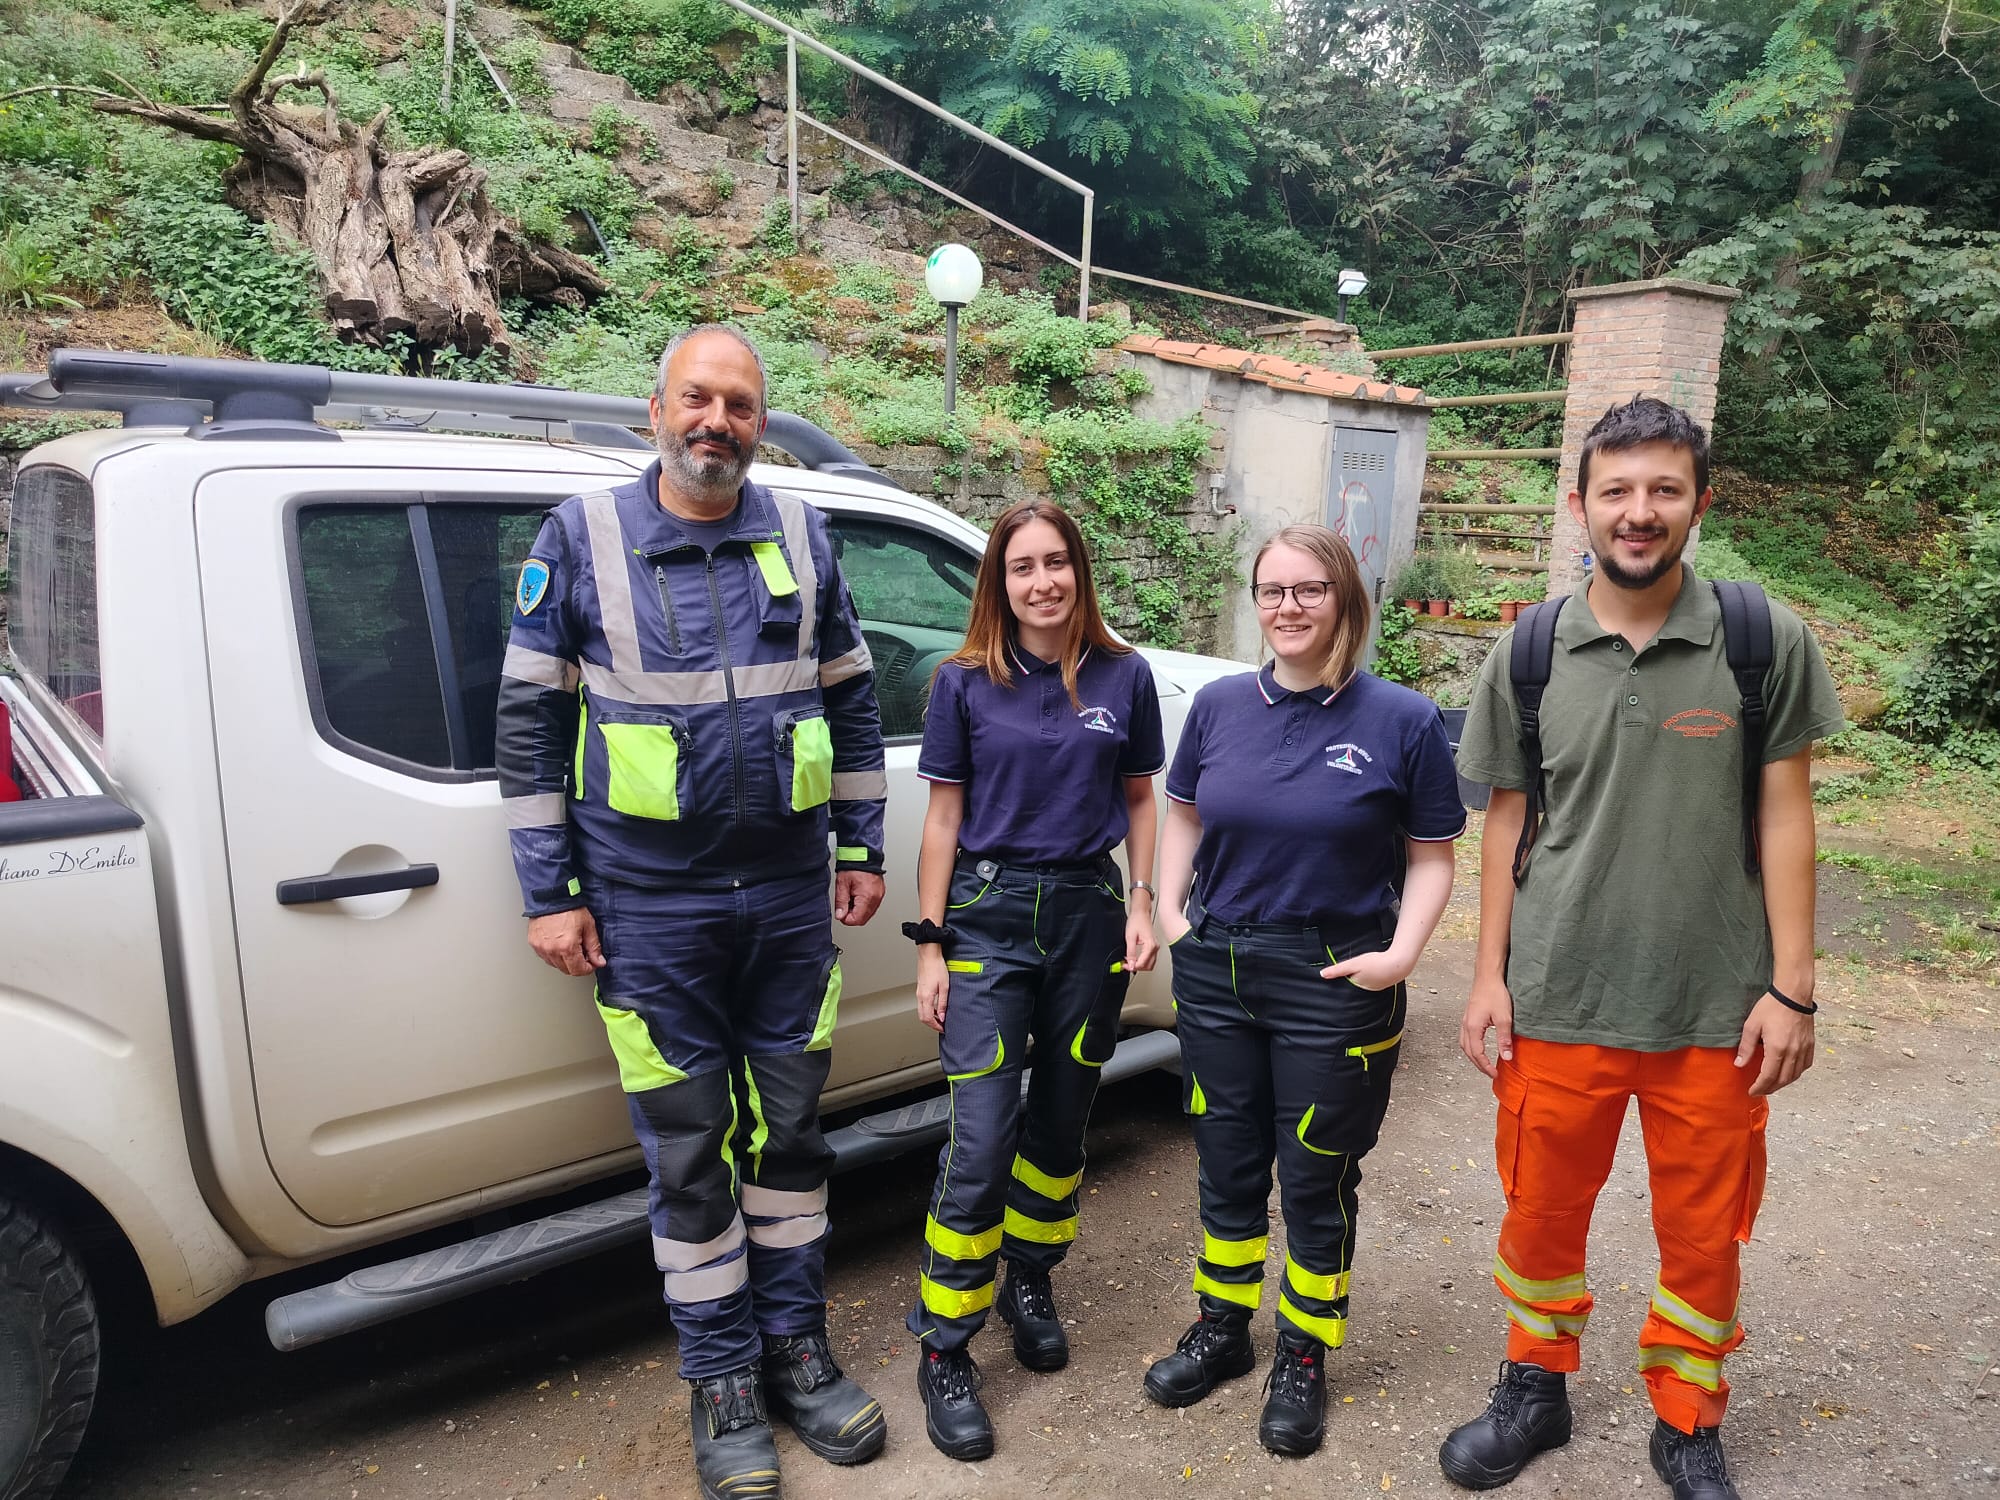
(1955, 681)
(1417, 578)
(655, 44)
(607, 129)
(867, 282)
(28, 272)
(1396, 655)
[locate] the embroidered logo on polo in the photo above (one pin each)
(533, 586)
(1103, 720)
(1343, 756)
(1699, 723)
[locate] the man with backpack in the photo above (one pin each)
(1646, 929)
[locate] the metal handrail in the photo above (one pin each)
(795, 38)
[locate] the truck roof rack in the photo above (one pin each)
(225, 399)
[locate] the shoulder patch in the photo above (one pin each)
(533, 587)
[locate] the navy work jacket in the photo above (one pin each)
(674, 718)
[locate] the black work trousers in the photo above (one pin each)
(1280, 1064)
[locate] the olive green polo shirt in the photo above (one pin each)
(1637, 925)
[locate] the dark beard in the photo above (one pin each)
(1626, 578)
(713, 475)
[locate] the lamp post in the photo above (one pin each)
(952, 276)
(1351, 284)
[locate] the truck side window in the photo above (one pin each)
(370, 632)
(407, 610)
(913, 592)
(52, 587)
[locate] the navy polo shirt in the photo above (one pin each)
(1044, 781)
(1303, 796)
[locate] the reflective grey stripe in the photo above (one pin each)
(775, 1203)
(539, 668)
(685, 1255)
(538, 810)
(762, 680)
(708, 1285)
(853, 664)
(788, 1234)
(798, 542)
(614, 580)
(860, 786)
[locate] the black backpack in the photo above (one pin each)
(1746, 636)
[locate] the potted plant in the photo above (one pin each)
(1413, 582)
(1458, 577)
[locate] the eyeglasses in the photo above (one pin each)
(1306, 595)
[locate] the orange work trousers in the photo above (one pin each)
(1561, 1106)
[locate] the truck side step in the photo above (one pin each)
(380, 1293)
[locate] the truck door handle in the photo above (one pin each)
(310, 888)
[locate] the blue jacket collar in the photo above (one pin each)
(655, 530)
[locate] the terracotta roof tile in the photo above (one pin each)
(1269, 369)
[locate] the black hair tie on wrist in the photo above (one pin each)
(1789, 1003)
(928, 931)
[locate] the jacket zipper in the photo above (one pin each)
(667, 604)
(728, 687)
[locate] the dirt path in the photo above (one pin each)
(1873, 1303)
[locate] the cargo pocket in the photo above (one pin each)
(780, 611)
(1097, 1038)
(829, 1007)
(640, 1065)
(645, 770)
(1753, 1177)
(1510, 1088)
(805, 759)
(1347, 1117)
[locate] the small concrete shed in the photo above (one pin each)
(1294, 442)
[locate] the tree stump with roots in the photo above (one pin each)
(405, 242)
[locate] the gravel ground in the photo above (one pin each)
(1870, 1370)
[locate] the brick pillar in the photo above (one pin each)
(1637, 338)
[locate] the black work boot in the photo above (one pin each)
(734, 1456)
(1215, 1348)
(1692, 1462)
(1028, 1306)
(1294, 1418)
(948, 1381)
(830, 1413)
(1529, 1414)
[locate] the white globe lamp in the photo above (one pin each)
(952, 276)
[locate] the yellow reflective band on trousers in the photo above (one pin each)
(1243, 1294)
(1693, 1368)
(1033, 1176)
(1561, 1289)
(958, 1246)
(1681, 1315)
(640, 1066)
(777, 572)
(812, 763)
(1550, 1326)
(829, 1012)
(1331, 1332)
(949, 1302)
(1234, 1252)
(1040, 1231)
(1314, 1283)
(964, 966)
(999, 1056)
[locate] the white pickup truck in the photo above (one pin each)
(265, 996)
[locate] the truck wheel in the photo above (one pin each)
(48, 1354)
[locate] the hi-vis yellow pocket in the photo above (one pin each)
(643, 759)
(810, 743)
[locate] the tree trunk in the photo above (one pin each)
(1855, 42)
(405, 242)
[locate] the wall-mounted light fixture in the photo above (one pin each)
(1352, 283)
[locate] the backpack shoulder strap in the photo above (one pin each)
(1529, 664)
(1746, 639)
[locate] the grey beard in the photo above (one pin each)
(714, 478)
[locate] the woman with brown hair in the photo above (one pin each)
(1293, 792)
(1040, 743)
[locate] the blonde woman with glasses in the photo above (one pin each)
(1296, 795)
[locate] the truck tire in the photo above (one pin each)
(48, 1354)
